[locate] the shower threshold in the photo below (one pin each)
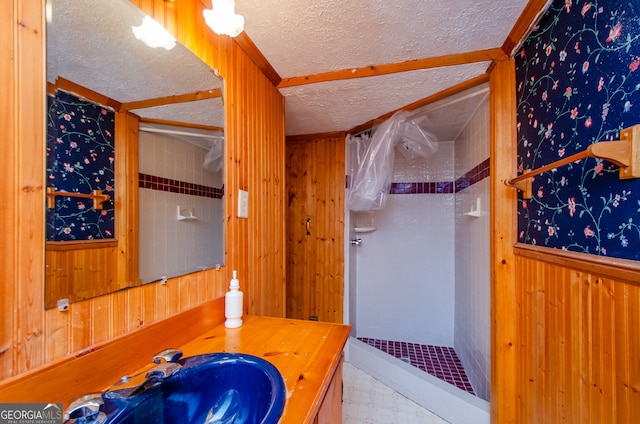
(440, 361)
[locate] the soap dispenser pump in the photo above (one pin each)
(233, 303)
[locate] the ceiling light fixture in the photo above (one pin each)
(153, 34)
(222, 18)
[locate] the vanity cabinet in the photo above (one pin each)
(330, 410)
(308, 354)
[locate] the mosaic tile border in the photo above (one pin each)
(440, 361)
(473, 176)
(154, 182)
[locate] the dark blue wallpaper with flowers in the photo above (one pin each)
(80, 158)
(578, 83)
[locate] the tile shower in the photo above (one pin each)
(421, 278)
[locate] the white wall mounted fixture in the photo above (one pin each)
(153, 34)
(222, 18)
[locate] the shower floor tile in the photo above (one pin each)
(440, 361)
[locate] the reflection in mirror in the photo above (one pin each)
(165, 108)
(181, 199)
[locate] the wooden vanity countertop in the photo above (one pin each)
(305, 352)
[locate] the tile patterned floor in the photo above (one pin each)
(368, 401)
(439, 361)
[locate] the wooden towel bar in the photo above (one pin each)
(624, 152)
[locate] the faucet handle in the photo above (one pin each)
(86, 409)
(167, 355)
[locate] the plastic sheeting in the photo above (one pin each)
(213, 160)
(371, 184)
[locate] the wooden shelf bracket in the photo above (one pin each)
(96, 195)
(624, 152)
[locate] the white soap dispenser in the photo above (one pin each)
(233, 303)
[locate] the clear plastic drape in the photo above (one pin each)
(371, 184)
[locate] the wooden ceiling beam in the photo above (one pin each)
(441, 95)
(303, 138)
(169, 100)
(258, 58)
(84, 92)
(523, 26)
(411, 65)
(181, 124)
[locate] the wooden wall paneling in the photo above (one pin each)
(632, 383)
(80, 328)
(28, 235)
(563, 329)
(258, 198)
(133, 306)
(148, 303)
(56, 332)
(126, 201)
(579, 346)
(301, 170)
(574, 307)
(315, 262)
(295, 238)
(338, 208)
(622, 388)
(330, 201)
(608, 370)
(101, 320)
(119, 317)
(9, 260)
(504, 308)
(322, 228)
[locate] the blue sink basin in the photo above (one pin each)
(217, 388)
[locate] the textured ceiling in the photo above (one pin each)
(307, 37)
(303, 37)
(91, 43)
(342, 105)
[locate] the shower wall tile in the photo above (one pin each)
(405, 285)
(435, 168)
(472, 146)
(171, 175)
(472, 279)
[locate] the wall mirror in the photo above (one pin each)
(136, 134)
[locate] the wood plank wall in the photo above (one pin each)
(503, 234)
(315, 262)
(579, 350)
(31, 337)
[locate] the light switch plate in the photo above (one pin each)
(243, 204)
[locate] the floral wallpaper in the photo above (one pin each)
(578, 83)
(80, 158)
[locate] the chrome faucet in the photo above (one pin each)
(86, 409)
(167, 365)
(167, 355)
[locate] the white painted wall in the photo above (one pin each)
(472, 276)
(405, 269)
(169, 247)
